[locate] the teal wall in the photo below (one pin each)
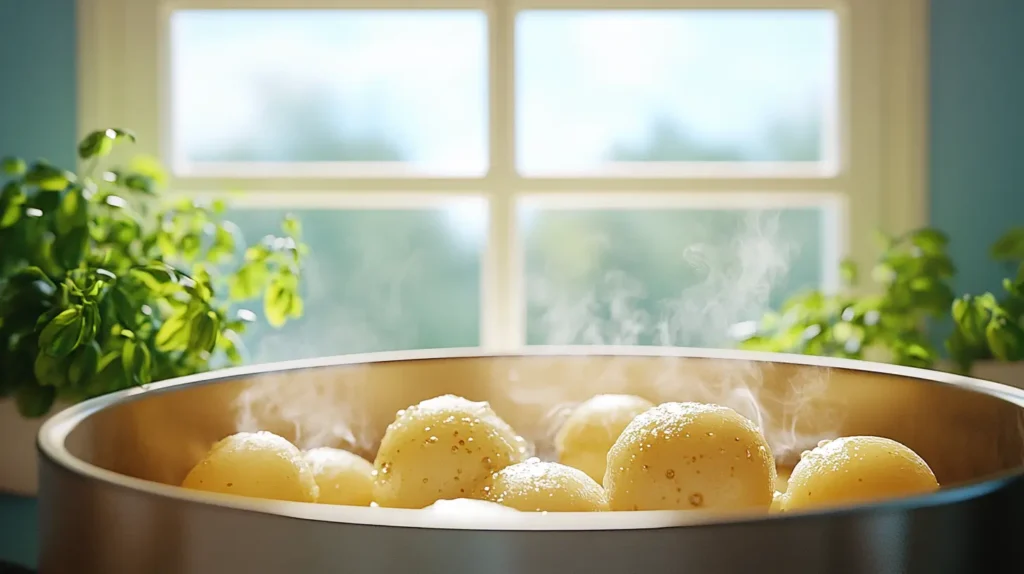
(37, 119)
(977, 137)
(977, 130)
(37, 79)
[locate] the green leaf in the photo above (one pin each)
(30, 277)
(277, 303)
(91, 319)
(174, 334)
(46, 317)
(96, 144)
(205, 327)
(930, 241)
(73, 211)
(1005, 339)
(884, 274)
(136, 361)
(1009, 247)
(64, 333)
(12, 198)
(248, 281)
(223, 244)
(190, 246)
(140, 183)
(145, 373)
(919, 353)
(125, 309)
(47, 177)
(292, 227)
(50, 371)
(84, 364)
(933, 296)
(155, 276)
(100, 142)
(149, 167)
(232, 345)
(970, 319)
(940, 266)
(109, 377)
(13, 166)
(34, 401)
(69, 249)
(848, 272)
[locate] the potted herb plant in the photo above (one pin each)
(104, 285)
(988, 336)
(887, 320)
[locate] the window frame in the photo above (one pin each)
(882, 121)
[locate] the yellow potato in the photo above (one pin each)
(690, 456)
(855, 470)
(443, 447)
(777, 502)
(343, 477)
(590, 431)
(260, 465)
(544, 487)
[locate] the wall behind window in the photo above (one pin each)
(37, 119)
(977, 130)
(977, 133)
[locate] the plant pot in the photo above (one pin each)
(18, 467)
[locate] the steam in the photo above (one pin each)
(733, 287)
(736, 279)
(736, 282)
(309, 408)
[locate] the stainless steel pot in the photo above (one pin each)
(108, 468)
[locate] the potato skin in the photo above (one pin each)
(544, 487)
(856, 470)
(344, 478)
(587, 435)
(690, 456)
(442, 448)
(258, 465)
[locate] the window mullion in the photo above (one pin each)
(501, 315)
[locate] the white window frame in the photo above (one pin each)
(879, 182)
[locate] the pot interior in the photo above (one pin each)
(963, 434)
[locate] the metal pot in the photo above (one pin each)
(108, 469)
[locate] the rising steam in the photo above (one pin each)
(310, 409)
(735, 281)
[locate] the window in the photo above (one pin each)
(505, 172)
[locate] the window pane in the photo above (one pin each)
(680, 277)
(377, 280)
(331, 86)
(598, 87)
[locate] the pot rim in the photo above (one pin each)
(54, 432)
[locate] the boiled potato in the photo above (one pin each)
(690, 456)
(544, 487)
(443, 447)
(343, 477)
(260, 465)
(855, 470)
(590, 431)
